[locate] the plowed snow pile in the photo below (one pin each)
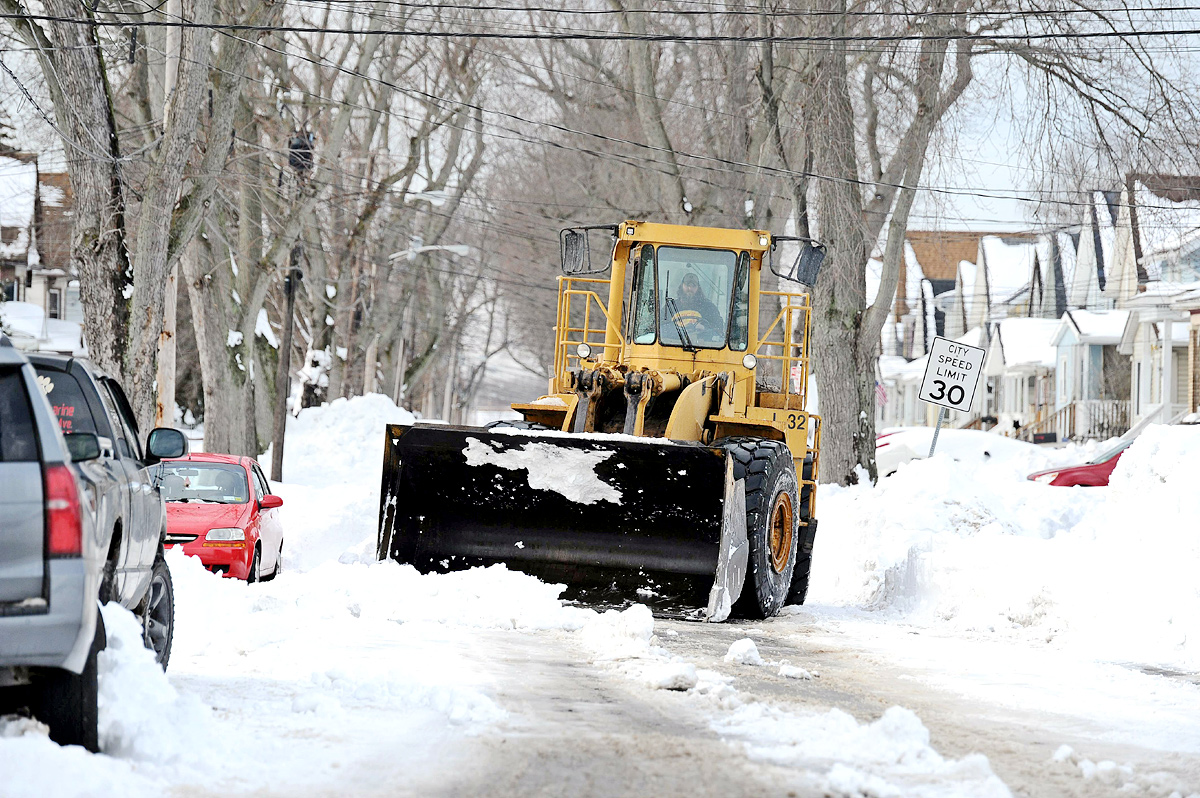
(1107, 571)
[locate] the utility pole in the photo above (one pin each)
(401, 360)
(283, 379)
(164, 406)
(448, 399)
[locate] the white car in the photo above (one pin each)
(898, 445)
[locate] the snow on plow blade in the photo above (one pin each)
(599, 513)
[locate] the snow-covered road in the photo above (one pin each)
(967, 634)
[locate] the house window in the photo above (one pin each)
(54, 303)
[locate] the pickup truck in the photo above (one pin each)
(81, 523)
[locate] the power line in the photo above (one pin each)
(726, 11)
(237, 27)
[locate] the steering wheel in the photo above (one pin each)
(686, 318)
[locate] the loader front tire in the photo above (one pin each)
(772, 522)
(799, 590)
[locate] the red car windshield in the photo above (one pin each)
(1111, 453)
(216, 483)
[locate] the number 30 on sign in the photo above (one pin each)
(952, 374)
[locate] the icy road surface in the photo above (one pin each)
(967, 634)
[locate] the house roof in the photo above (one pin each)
(1026, 342)
(1009, 262)
(1093, 326)
(1168, 212)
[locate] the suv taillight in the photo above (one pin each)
(63, 522)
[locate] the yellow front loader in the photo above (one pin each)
(672, 457)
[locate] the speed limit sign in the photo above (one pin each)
(952, 374)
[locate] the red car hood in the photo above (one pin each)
(196, 518)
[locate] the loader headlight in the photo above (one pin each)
(763, 241)
(225, 533)
(749, 361)
(584, 351)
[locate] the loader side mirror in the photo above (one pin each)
(807, 264)
(575, 248)
(812, 255)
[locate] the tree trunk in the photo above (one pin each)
(228, 392)
(843, 356)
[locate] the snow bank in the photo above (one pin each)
(332, 466)
(341, 442)
(141, 715)
(965, 546)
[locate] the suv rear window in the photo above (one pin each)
(18, 439)
(66, 396)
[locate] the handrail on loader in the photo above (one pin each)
(564, 345)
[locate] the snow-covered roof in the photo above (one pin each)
(29, 329)
(1009, 265)
(18, 190)
(1027, 342)
(18, 193)
(1157, 293)
(1095, 326)
(1164, 225)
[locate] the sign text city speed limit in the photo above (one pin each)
(952, 374)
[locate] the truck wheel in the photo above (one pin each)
(799, 589)
(66, 702)
(253, 574)
(772, 522)
(157, 612)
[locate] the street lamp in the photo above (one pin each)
(462, 250)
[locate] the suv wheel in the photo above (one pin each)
(66, 702)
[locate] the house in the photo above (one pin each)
(1155, 267)
(1189, 302)
(1156, 339)
(35, 238)
(1092, 398)
(937, 290)
(1019, 368)
(18, 202)
(1094, 253)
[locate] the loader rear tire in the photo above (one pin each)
(772, 522)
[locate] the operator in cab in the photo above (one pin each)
(692, 309)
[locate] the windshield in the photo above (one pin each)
(205, 482)
(1111, 453)
(683, 297)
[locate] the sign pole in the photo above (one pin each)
(937, 429)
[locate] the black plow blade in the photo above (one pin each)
(611, 517)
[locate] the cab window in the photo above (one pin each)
(643, 298)
(739, 314)
(695, 289)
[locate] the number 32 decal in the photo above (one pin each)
(795, 421)
(950, 396)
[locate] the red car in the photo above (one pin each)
(1093, 473)
(220, 508)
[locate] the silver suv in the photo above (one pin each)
(80, 522)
